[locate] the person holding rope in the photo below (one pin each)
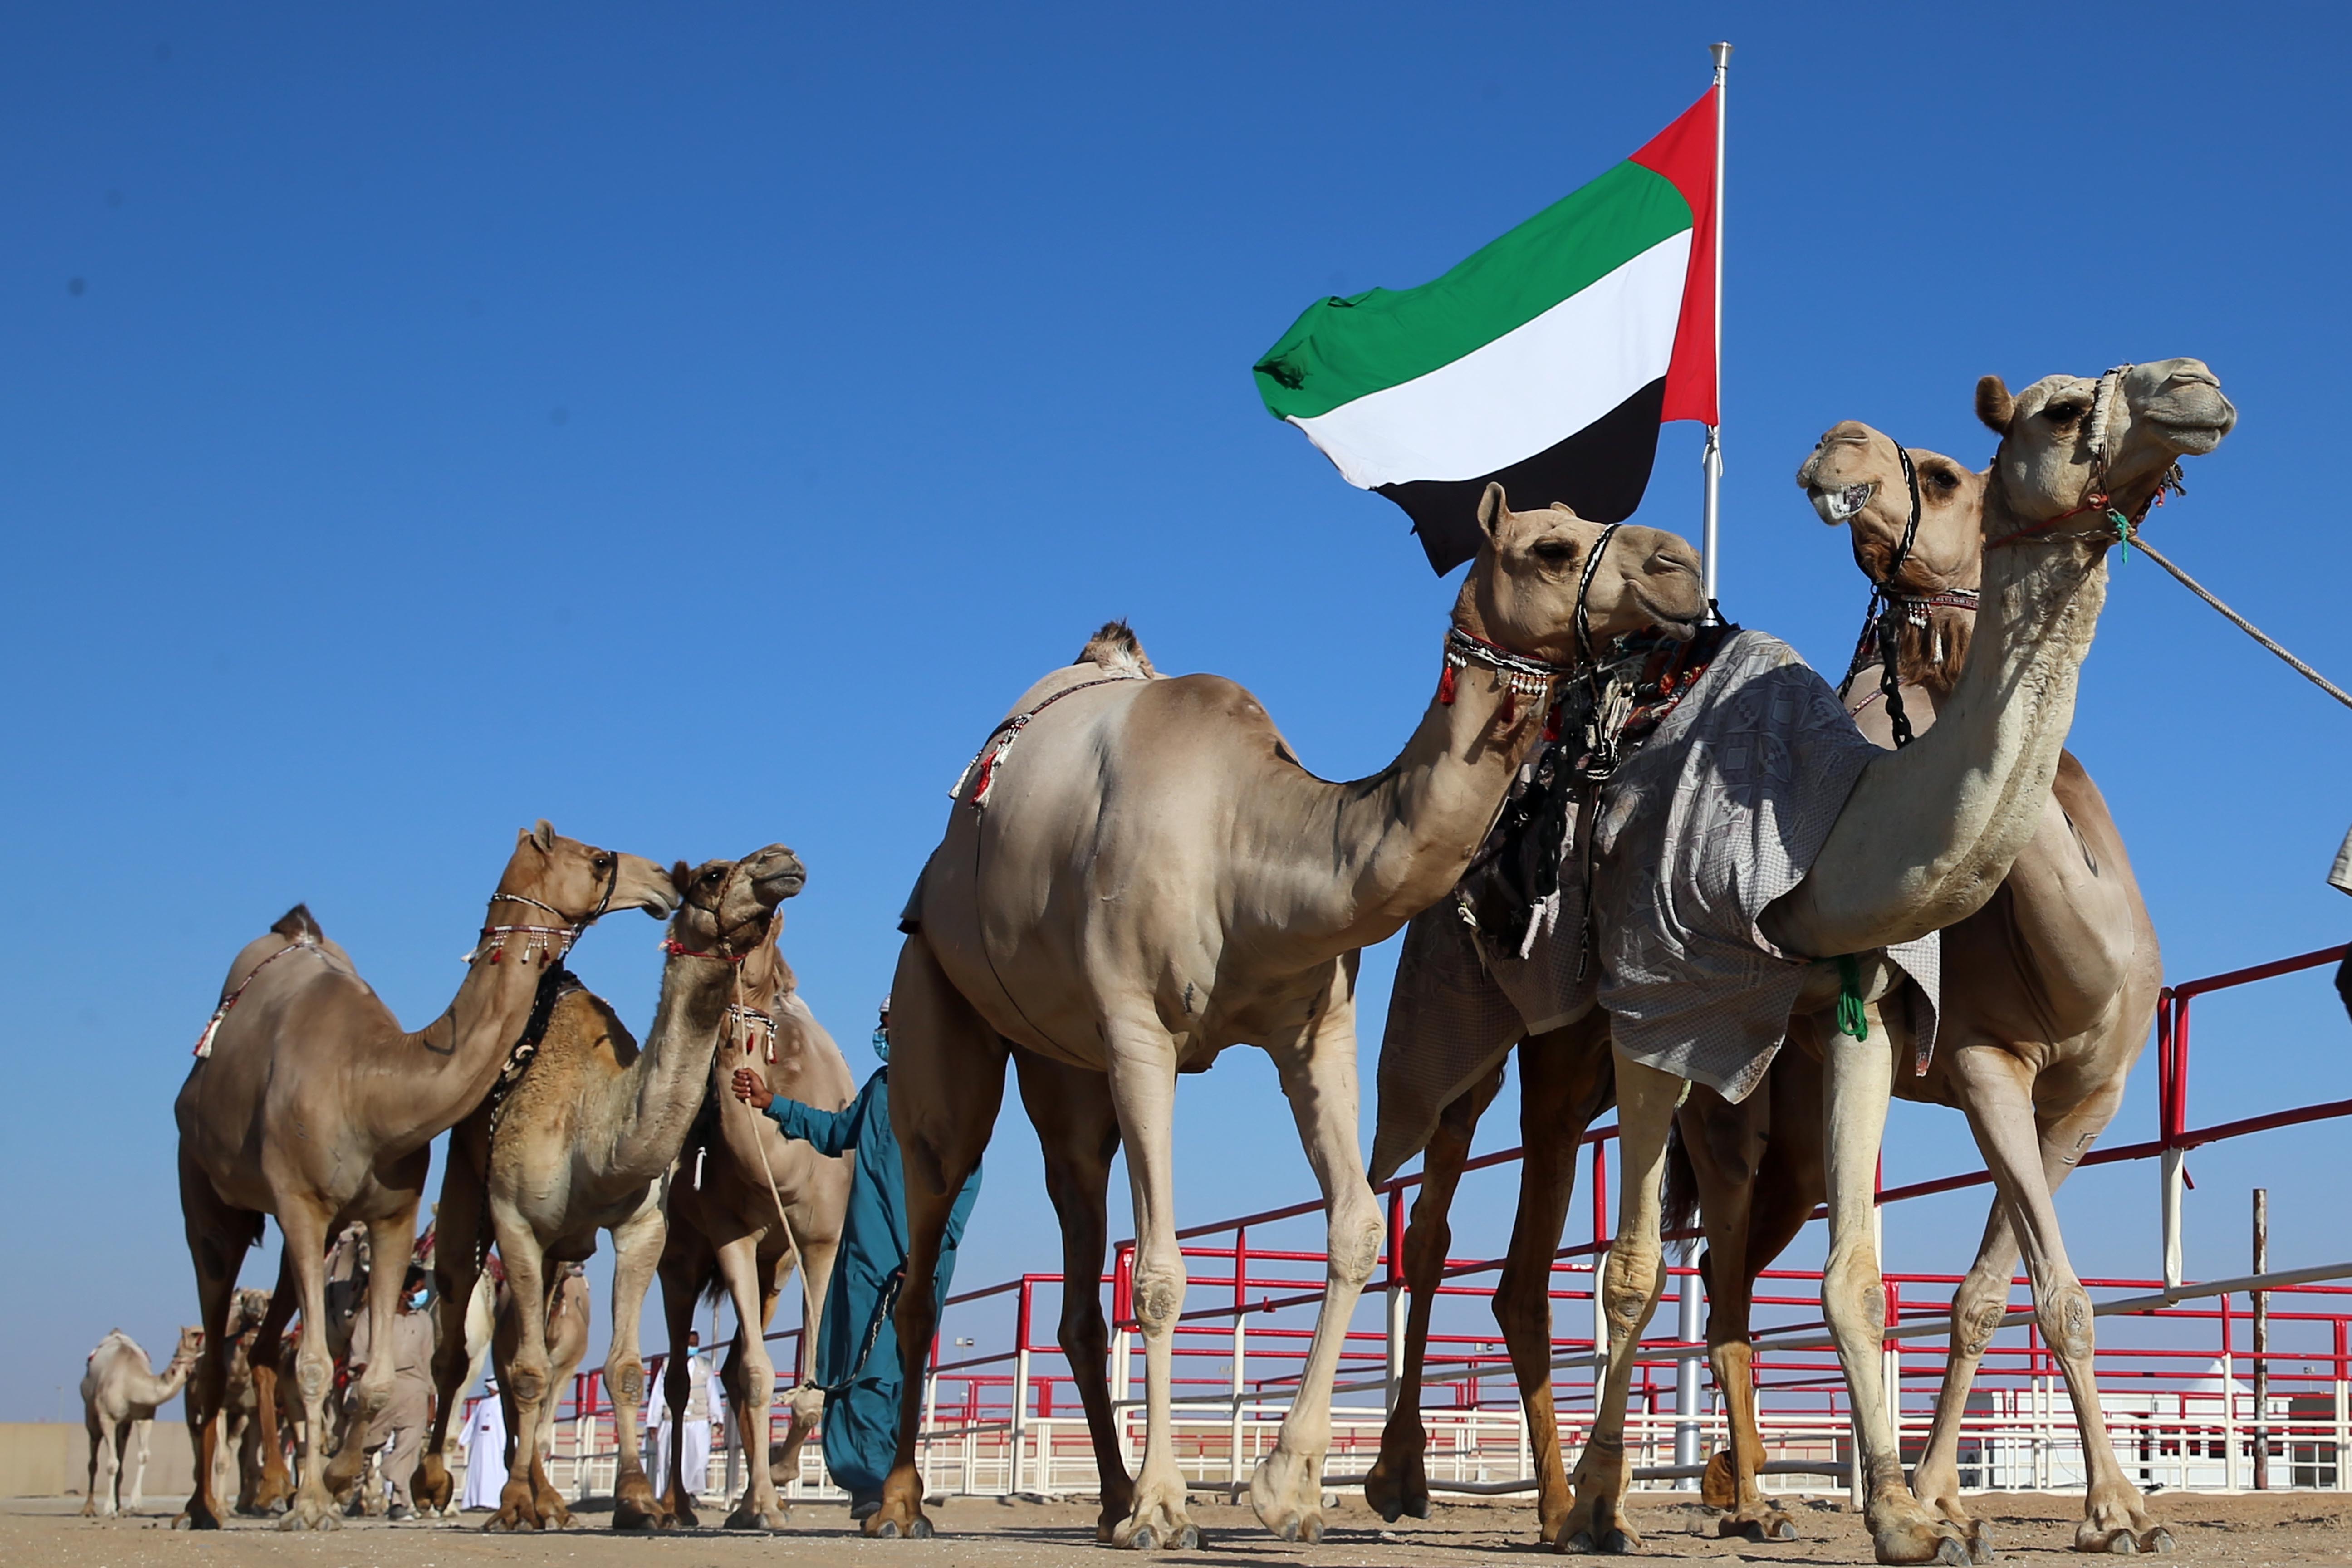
(858, 1352)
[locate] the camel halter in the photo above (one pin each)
(2099, 446)
(1881, 618)
(543, 940)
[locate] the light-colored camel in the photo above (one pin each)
(120, 1391)
(2049, 991)
(724, 1235)
(583, 1142)
(310, 1103)
(1151, 876)
(1926, 838)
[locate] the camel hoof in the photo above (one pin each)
(2121, 1544)
(1951, 1553)
(1145, 1539)
(2157, 1543)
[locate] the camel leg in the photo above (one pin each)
(305, 1229)
(1853, 1294)
(807, 1400)
(1398, 1484)
(522, 1385)
(681, 1282)
(1566, 1079)
(1630, 1283)
(104, 1465)
(1318, 1079)
(217, 1236)
(389, 1240)
(138, 1466)
(753, 1383)
(2028, 1163)
(1078, 1130)
(457, 1265)
(1757, 1169)
(947, 1078)
(637, 1249)
(274, 1490)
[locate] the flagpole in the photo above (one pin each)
(1712, 462)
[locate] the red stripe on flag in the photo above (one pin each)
(1684, 155)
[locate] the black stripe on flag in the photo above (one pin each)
(1600, 473)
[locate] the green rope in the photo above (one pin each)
(1852, 1019)
(2123, 536)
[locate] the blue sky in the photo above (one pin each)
(696, 425)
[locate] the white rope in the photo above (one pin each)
(741, 1029)
(2241, 622)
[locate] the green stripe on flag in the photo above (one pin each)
(1338, 350)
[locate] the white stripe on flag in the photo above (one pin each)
(1528, 390)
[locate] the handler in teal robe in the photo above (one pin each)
(857, 1352)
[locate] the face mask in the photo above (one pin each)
(417, 1302)
(882, 1044)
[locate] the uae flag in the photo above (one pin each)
(1547, 361)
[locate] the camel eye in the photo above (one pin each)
(2063, 413)
(1553, 551)
(602, 861)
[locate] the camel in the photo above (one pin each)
(2052, 987)
(479, 1319)
(724, 1235)
(120, 1391)
(308, 1103)
(582, 1142)
(1149, 876)
(241, 1432)
(1926, 838)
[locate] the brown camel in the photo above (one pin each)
(2052, 987)
(310, 1103)
(583, 1142)
(240, 1433)
(1151, 876)
(1926, 838)
(120, 1391)
(724, 1234)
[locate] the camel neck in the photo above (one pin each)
(655, 1099)
(1930, 831)
(1398, 840)
(452, 1062)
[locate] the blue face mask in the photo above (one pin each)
(882, 1043)
(417, 1302)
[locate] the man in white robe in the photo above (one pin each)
(485, 1442)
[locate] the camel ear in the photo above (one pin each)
(1995, 407)
(680, 874)
(543, 834)
(1493, 507)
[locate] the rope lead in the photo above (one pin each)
(1852, 1019)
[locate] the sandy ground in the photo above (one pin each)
(2286, 1528)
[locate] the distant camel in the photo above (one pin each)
(120, 1391)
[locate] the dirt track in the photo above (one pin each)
(2288, 1527)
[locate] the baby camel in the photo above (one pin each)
(120, 1391)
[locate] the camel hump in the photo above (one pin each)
(1117, 647)
(296, 925)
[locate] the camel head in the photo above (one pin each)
(2067, 439)
(1524, 590)
(1854, 478)
(580, 881)
(191, 1346)
(731, 904)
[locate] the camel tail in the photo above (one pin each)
(297, 925)
(1680, 1199)
(1116, 647)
